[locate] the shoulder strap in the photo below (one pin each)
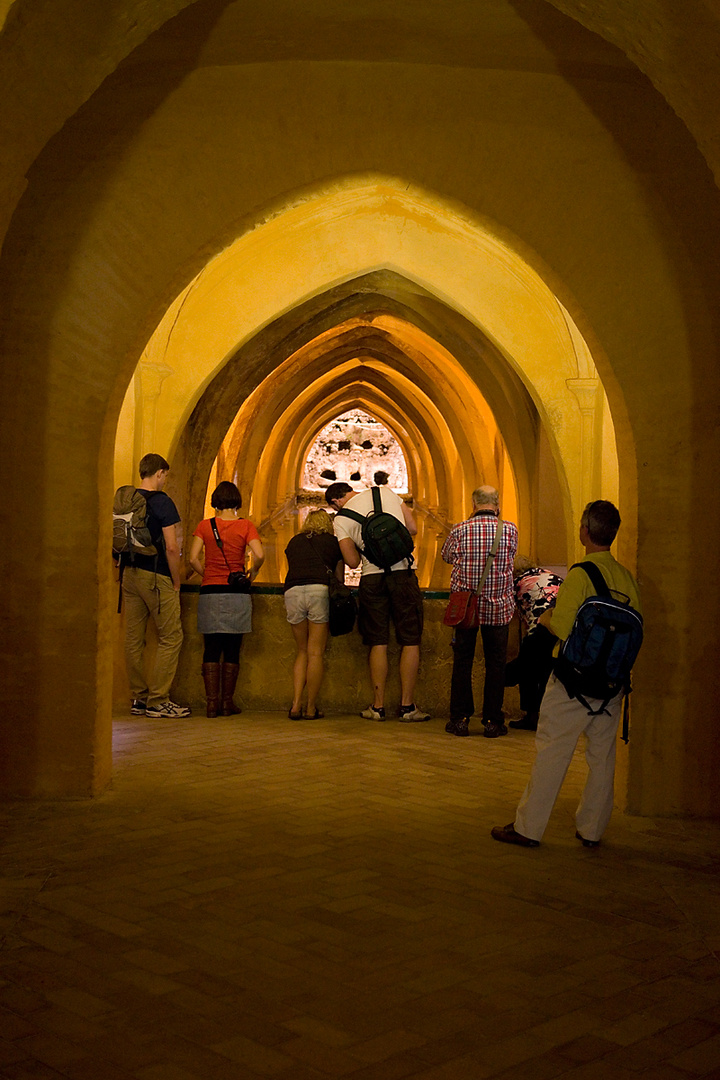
(377, 500)
(491, 555)
(596, 576)
(159, 542)
(352, 514)
(216, 534)
(218, 541)
(320, 558)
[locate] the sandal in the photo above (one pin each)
(317, 715)
(295, 715)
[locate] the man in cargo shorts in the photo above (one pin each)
(384, 597)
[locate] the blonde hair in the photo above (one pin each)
(317, 521)
(522, 564)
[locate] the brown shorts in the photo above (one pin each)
(393, 596)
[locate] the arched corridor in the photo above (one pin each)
(222, 224)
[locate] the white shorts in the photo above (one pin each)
(307, 602)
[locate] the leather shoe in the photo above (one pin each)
(506, 835)
(494, 731)
(457, 727)
(529, 722)
(587, 843)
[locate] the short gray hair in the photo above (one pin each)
(486, 496)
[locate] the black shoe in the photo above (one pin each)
(138, 707)
(587, 843)
(506, 835)
(494, 731)
(457, 727)
(529, 722)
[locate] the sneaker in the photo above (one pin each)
(167, 709)
(492, 731)
(410, 714)
(371, 713)
(138, 707)
(457, 727)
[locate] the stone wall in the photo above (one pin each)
(267, 656)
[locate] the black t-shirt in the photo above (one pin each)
(310, 557)
(161, 513)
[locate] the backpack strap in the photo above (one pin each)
(352, 514)
(362, 518)
(596, 576)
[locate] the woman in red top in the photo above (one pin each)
(224, 614)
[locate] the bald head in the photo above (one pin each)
(486, 498)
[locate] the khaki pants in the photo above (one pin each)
(562, 721)
(149, 595)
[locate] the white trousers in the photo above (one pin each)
(562, 721)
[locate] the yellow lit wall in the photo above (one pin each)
(188, 199)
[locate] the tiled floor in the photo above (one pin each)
(262, 898)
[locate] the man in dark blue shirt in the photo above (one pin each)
(151, 589)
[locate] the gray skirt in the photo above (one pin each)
(224, 613)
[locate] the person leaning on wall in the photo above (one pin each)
(312, 556)
(383, 598)
(224, 613)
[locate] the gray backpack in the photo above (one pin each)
(131, 534)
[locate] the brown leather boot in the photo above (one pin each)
(211, 678)
(229, 682)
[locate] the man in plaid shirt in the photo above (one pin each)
(467, 548)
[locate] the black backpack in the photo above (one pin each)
(597, 656)
(385, 538)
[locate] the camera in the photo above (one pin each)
(239, 581)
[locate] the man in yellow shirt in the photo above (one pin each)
(563, 719)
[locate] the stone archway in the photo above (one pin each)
(618, 204)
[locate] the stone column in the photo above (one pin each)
(149, 377)
(588, 393)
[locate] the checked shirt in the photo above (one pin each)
(467, 548)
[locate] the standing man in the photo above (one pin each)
(564, 719)
(467, 548)
(151, 589)
(384, 596)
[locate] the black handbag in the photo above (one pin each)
(343, 605)
(238, 580)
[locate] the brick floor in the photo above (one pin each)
(262, 898)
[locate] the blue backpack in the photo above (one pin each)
(597, 656)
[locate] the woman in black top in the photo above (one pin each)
(313, 555)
